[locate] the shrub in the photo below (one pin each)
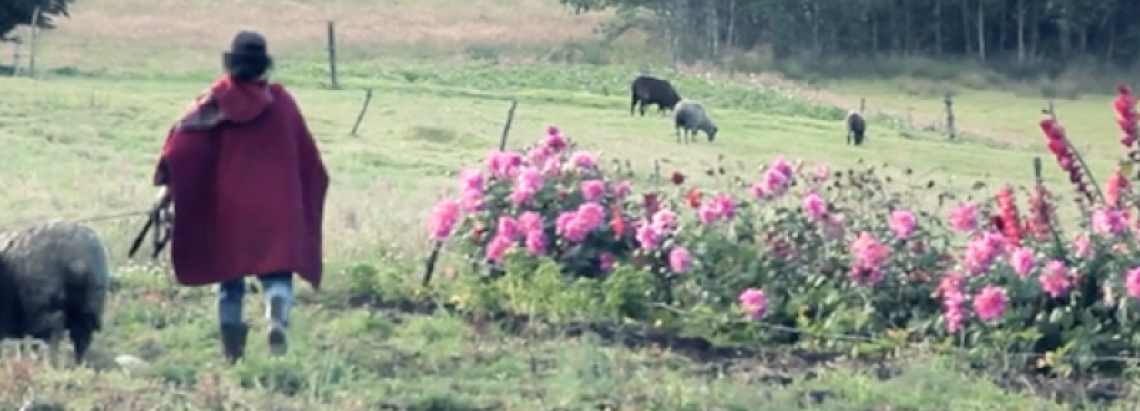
(806, 251)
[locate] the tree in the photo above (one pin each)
(16, 12)
(1039, 34)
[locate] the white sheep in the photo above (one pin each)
(690, 116)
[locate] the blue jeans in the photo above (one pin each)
(279, 299)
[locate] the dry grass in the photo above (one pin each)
(113, 34)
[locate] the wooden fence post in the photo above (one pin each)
(32, 30)
(16, 56)
(948, 100)
(333, 83)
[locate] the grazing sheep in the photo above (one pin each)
(691, 116)
(54, 277)
(856, 126)
(647, 90)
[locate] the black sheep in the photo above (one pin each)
(54, 279)
(647, 90)
(856, 127)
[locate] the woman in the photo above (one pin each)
(247, 184)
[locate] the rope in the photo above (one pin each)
(91, 219)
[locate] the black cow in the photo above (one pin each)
(647, 90)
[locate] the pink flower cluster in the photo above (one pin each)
(776, 181)
(721, 208)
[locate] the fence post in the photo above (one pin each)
(948, 100)
(32, 29)
(16, 56)
(332, 55)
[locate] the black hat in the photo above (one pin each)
(248, 41)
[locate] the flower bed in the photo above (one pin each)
(806, 251)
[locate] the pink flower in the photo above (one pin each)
(1109, 222)
(503, 163)
(593, 190)
(621, 189)
(1082, 246)
(950, 288)
(471, 200)
(443, 219)
(536, 242)
(757, 191)
(584, 160)
(902, 223)
(552, 167)
(576, 225)
(814, 206)
(964, 218)
(721, 208)
(870, 255)
(725, 206)
(982, 252)
(530, 221)
(554, 141)
(508, 227)
(471, 180)
(754, 302)
(1022, 260)
(647, 237)
(990, 302)
(680, 261)
(1055, 279)
(1132, 282)
(665, 221)
(498, 247)
(606, 262)
(537, 155)
(821, 173)
(527, 183)
(954, 310)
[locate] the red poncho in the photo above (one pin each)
(248, 186)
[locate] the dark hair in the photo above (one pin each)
(248, 64)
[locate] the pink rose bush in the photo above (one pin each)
(808, 248)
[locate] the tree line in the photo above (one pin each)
(17, 12)
(1021, 32)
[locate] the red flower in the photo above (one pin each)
(693, 197)
(677, 178)
(1040, 220)
(1126, 117)
(1008, 220)
(617, 222)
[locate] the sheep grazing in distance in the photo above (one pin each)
(647, 90)
(690, 116)
(856, 127)
(54, 277)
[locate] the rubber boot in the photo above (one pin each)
(233, 341)
(278, 325)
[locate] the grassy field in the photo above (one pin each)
(80, 143)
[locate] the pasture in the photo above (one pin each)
(80, 142)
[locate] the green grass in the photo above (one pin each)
(89, 145)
